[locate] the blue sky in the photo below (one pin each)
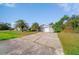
(41, 13)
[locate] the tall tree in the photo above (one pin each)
(59, 26)
(21, 24)
(64, 18)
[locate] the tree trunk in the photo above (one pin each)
(22, 29)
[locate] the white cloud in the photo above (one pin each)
(70, 7)
(75, 8)
(65, 6)
(8, 4)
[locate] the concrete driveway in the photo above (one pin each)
(35, 44)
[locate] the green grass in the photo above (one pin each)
(5, 35)
(70, 43)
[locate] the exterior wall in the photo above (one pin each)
(18, 29)
(46, 28)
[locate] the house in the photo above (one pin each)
(19, 29)
(43, 28)
(46, 28)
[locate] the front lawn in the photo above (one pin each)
(70, 43)
(5, 35)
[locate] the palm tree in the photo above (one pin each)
(21, 25)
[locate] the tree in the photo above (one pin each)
(73, 17)
(51, 24)
(5, 26)
(21, 24)
(35, 27)
(65, 17)
(59, 26)
(71, 25)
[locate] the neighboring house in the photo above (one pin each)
(43, 28)
(46, 28)
(18, 29)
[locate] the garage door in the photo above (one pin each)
(46, 30)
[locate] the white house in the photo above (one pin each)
(46, 28)
(19, 29)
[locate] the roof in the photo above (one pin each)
(43, 26)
